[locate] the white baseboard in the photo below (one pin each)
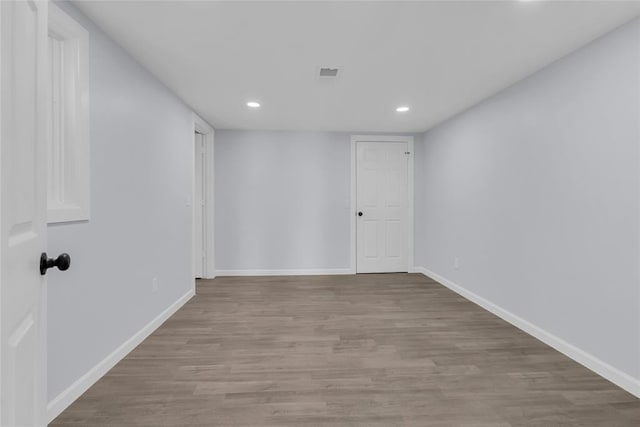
(75, 390)
(309, 272)
(619, 378)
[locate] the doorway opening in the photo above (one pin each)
(199, 200)
(203, 200)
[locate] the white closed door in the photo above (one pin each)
(382, 207)
(23, 38)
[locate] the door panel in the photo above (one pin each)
(371, 239)
(382, 197)
(23, 360)
(395, 195)
(369, 195)
(394, 239)
(23, 37)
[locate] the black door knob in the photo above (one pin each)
(359, 213)
(63, 262)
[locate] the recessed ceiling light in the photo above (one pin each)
(402, 109)
(253, 104)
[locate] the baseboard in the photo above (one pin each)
(619, 378)
(75, 390)
(309, 272)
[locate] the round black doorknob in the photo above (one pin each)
(63, 262)
(359, 213)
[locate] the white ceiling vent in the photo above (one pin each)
(328, 73)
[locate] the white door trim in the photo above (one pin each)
(381, 138)
(202, 127)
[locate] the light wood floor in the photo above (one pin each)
(367, 350)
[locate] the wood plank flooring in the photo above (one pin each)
(366, 350)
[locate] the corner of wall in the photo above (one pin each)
(82, 384)
(619, 378)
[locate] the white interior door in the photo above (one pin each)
(382, 206)
(199, 207)
(23, 40)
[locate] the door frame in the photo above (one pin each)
(208, 220)
(410, 212)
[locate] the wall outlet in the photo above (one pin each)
(154, 285)
(456, 263)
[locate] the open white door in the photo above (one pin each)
(23, 38)
(382, 227)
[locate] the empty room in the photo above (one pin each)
(319, 213)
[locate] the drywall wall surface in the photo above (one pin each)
(140, 226)
(282, 200)
(536, 192)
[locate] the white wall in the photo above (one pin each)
(536, 190)
(282, 200)
(140, 227)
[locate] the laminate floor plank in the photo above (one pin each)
(323, 351)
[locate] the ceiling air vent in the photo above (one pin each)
(328, 73)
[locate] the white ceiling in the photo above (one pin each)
(438, 57)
